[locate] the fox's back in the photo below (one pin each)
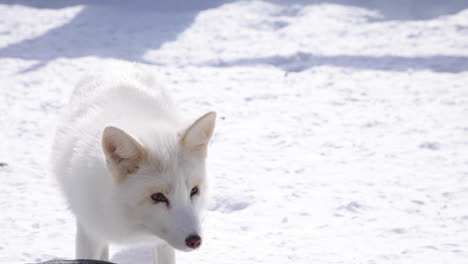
(123, 87)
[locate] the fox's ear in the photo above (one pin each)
(195, 138)
(123, 153)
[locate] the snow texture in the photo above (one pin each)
(342, 134)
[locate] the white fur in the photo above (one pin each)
(111, 210)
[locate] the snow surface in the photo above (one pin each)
(342, 137)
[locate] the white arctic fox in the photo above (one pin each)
(130, 169)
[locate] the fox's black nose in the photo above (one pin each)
(193, 241)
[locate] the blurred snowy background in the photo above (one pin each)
(343, 130)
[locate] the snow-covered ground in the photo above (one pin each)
(343, 129)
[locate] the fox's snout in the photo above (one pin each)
(193, 241)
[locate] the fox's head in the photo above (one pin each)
(160, 179)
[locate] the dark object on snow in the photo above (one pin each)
(3, 164)
(77, 261)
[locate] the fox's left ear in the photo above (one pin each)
(195, 138)
(123, 153)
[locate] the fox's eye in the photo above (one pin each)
(159, 197)
(194, 191)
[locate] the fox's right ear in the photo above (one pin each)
(123, 153)
(195, 138)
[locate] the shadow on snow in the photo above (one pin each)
(118, 29)
(302, 61)
(129, 31)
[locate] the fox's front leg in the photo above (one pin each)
(89, 248)
(164, 254)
